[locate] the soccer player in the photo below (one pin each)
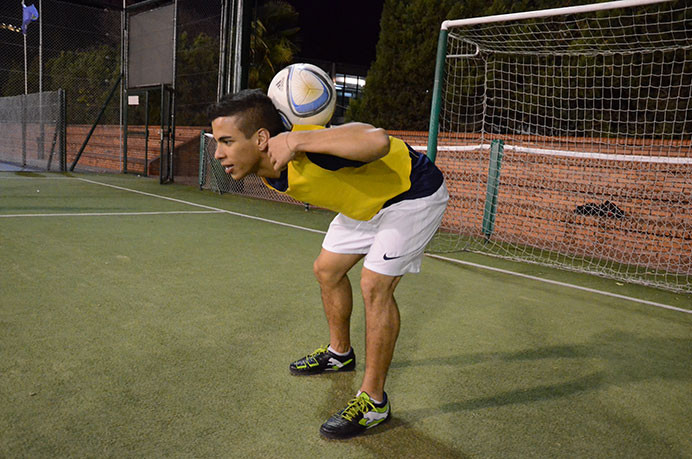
(390, 200)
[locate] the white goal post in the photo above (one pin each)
(565, 136)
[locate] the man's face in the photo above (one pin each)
(239, 155)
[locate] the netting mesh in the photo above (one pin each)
(81, 54)
(595, 116)
(198, 59)
(32, 131)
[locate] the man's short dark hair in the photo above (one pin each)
(256, 110)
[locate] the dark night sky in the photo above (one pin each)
(344, 31)
(339, 30)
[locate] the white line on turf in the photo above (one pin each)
(562, 284)
(489, 268)
(112, 214)
(4, 177)
(237, 214)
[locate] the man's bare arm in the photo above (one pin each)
(355, 141)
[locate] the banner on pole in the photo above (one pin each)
(29, 15)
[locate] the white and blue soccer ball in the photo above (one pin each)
(303, 94)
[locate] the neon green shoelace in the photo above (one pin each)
(357, 405)
(321, 350)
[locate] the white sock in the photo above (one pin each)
(376, 402)
(340, 354)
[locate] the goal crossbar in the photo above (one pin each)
(449, 24)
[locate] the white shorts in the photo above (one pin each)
(394, 239)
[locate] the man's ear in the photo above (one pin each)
(263, 137)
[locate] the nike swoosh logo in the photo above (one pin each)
(385, 257)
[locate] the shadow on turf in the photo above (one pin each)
(519, 396)
(628, 358)
(631, 356)
(397, 435)
(398, 438)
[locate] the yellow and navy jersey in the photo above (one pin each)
(357, 189)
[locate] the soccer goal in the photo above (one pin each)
(566, 138)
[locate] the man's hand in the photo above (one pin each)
(280, 151)
(356, 141)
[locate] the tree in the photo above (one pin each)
(196, 78)
(398, 89)
(14, 83)
(273, 41)
(272, 46)
(87, 77)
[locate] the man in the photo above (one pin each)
(390, 201)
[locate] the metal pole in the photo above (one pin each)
(123, 86)
(236, 73)
(490, 209)
(246, 20)
(146, 134)
(24, 98)
(172, 100)
(52, 146)
(40, 47)
(169, 139)
(124, 68)
(201, 159)
(163, 125)
(42, 132)
(229, 71)
(548, 12)
(436, 105)
(98, 119)
(221, 76)
(63, 130)
(26, 84)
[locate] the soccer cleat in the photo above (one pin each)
(360, 414)
(323, 360)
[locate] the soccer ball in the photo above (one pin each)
(303, 94)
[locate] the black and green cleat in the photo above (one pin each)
(322, 360)
(360, 414)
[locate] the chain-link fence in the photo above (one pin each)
(33, 134)
(197, 70)
(197, 60)
(78, 49)
(74, 48)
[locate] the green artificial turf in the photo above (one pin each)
(171, 335)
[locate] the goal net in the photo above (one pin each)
(566, 138)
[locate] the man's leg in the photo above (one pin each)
(381, 329)
(370, 407)
(331, 270)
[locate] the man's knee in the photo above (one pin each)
(323, 271)
(330, 268)
(375, 286)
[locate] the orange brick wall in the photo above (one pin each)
(103, 150)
